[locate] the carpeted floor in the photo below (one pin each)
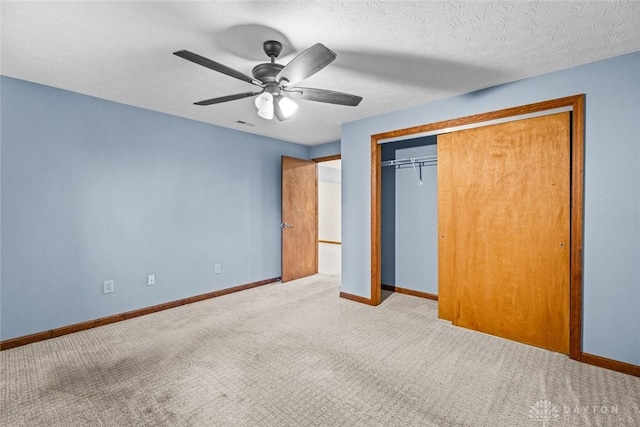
(329, 258)
(296, 354)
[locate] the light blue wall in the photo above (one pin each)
(612, 189)
(324, 150)
(93, 190)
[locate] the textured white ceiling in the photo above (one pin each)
(395, 54)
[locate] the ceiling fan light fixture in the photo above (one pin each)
(287, 106)
(264, 104)
(276, 79)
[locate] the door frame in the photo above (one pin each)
(327, 158)
(576, 104)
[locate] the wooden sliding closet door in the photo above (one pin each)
(504, 227)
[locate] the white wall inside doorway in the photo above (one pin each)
(329, 201)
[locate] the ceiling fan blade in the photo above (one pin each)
(323, 95)
(216, 66)
(306, 64)
(227, 98)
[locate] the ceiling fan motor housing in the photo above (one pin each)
(266, 72)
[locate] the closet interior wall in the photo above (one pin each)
(409, 218)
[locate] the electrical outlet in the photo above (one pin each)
(151, 280)
(216, 269)
(107, 286)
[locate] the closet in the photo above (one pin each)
(410, 217)
(504, 223)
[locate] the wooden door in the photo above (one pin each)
(504, 227)
(299, 219)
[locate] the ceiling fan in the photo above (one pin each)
(278, 82)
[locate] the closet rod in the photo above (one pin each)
(415, 162)
(424, 160)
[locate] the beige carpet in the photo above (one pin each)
(296, 354)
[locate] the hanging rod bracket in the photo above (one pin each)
(418, 171)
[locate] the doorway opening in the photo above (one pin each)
(409, 218)
(329, 170)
